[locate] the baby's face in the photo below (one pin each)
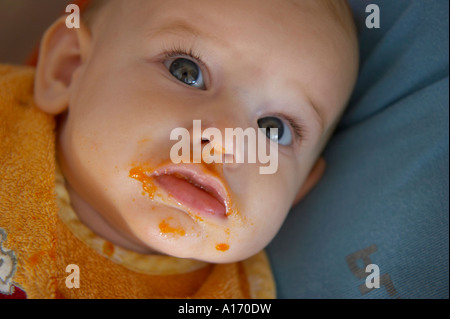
(154, 66)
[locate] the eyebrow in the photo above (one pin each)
(181, 27)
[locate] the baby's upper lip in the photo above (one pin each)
(196, 175)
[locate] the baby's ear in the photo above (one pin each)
(313, 178)
(62, 52)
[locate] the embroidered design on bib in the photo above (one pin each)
(8, 264)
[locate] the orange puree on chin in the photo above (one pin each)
(165, 228)
(222, 247)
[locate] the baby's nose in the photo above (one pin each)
(213, 144)
(214, 149)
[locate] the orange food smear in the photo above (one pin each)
(222, 247)
(147, 183)
(108, 249)
(165, 228)
(144, 140)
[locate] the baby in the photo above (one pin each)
(136, 70)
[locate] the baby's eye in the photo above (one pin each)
(187, 72)
(283, 137)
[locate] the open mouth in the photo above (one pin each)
(193, 189)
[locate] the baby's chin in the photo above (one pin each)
(204, 250)
(223, 253)
(174, 232)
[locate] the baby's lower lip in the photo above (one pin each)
(190, 196)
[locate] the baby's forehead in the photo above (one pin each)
(286, 19)
(281, 11)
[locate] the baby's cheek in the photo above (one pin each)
(270, 210)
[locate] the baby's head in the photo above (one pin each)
(136, 70)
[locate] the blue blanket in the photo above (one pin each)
(380, 216)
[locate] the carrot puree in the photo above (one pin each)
(222, 247)
(165, 228)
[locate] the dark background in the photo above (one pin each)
(22, 24)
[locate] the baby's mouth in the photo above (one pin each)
(194, 189)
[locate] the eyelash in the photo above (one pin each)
(298, 128)
(177, 51)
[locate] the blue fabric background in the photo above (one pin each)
(386, 187)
